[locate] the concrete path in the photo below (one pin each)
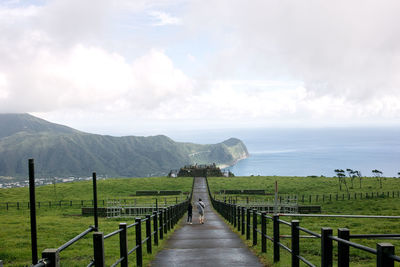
(210, 244)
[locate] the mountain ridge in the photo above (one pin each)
(60, 151)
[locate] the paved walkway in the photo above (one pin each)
(210, 244)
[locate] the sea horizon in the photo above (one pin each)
(310, 151)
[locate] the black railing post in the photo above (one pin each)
(161, 225)
(343, 249)
(52, 256)
(238, 217)
(234, 209)
(155, 227)
(383, 250)
(123, 245)
(295, 243)
(165, 220)
(148, 233)
(248, 224)
(33, 210)
(263, 232)
(96, 219)
(254, 227)
(243, 221)
(169, 219)
(326, 247)
(98, 249)
(138, 233)
(275, 219)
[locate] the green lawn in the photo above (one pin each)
(57, 225)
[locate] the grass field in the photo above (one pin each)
(310, 248)
(57, 225)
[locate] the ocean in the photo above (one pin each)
(306, 152)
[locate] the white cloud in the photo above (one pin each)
(340, 48)
(162, 19)
(262, 62)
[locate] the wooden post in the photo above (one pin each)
(383, 250)
(96, 220)
(98, 248)
(138, 233)
(123, 245)
(263, 232)
(148, 233)
(326, 247)
(248, 224)
(343, 249)
(155, 227)
(165, 220)
(52, 257)
(295, 243)
(238, 217)
(161, 225)
(234, 209)
(33, 211)
(254, 227)
(275, 219)
(243, 221)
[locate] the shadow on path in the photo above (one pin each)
(208, 244)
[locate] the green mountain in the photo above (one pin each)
(62, 151)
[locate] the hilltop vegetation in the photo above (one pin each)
(62, 151)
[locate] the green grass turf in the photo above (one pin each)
(57, 225)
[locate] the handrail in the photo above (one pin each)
(285, 247)
(285, 222)
(306, 261)
(131, 225)
(167, 218)
(41, 263)
(339, 216)
(309, 232)
(113, 233)
(394, 257)
(355, 245)
(132, 250)
(117, 262)
(75, 239)
(376, 236)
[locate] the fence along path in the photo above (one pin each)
(209, 244)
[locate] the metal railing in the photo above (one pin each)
(162, 221)
(247, 223)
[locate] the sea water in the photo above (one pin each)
(306, 152)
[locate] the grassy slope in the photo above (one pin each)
(310, 248)
(302, 185)
(58, 225)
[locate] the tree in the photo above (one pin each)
(341, 179)
(398, 174)
(358, 174)
(379, 176)
(352, 175)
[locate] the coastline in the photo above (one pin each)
(224, 166)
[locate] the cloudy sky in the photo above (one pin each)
(148, 67)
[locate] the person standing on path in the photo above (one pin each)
(190, 213)
(200, 208)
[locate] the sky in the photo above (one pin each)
(153, 67)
